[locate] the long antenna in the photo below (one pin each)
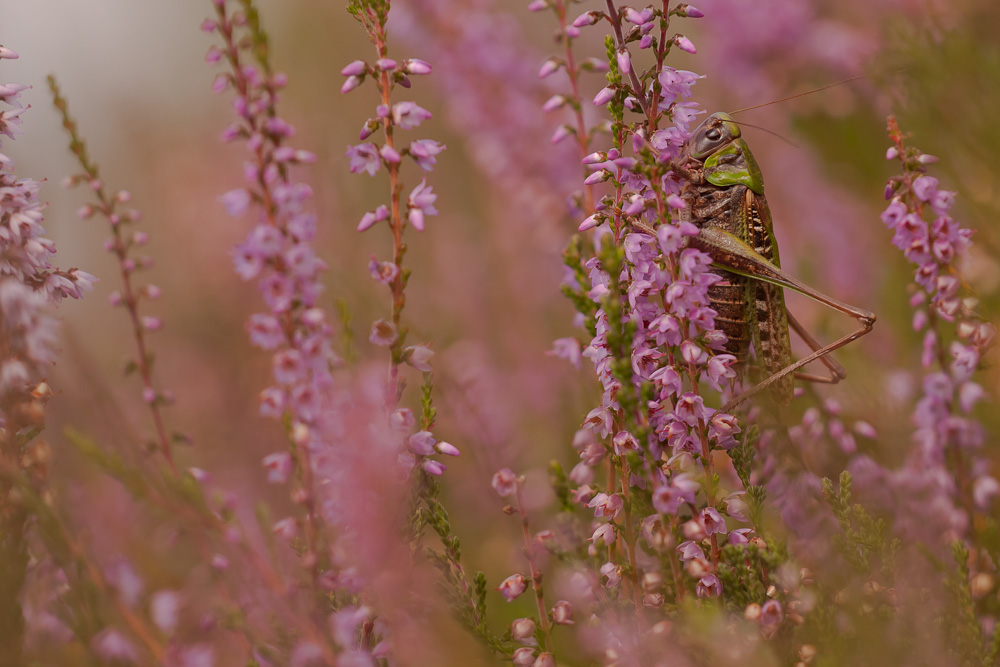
(792, 97)
(771, 132)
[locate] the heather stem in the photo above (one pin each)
(263, 157)
(662, 47)
(536, 575)
(396, 224)
(13, 549)
(582, 139)
(630, 540)
(616, 24)
(130, 299)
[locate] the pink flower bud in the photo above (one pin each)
(524, 656)
(604, 96)
(504, 482)
(684, 44)
(549, 67)
(553, 103)
(432, 467)
(447, 449)
(624, 61)
(522, 630)
(544, 659)
(512, 587)
(351, 83)
(560, 133)
(355, 68)
(562, 613)
(416, 66)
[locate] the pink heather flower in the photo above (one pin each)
(612, 575)
(568, 349)
(562, 613)
(432, 467)
(590, 223)
(419, 357)
(355, 68)
(402, 419)
(512, 587)
(604, 534)
(604, 96)
(236, 201)
(371, 217)
(279, 467)
(164, 607)
(544, 659)
(690, 551)
(684, 44)
(713, 521)
(606, 506)
(740, 536)
(924, 187)
(548, 68)
(416, 66)
(422, 443)
(383, 272)
(289, 366)
(286, 528)
(524, 656)
(553, 103)
(421, 203)
(390, 155)
(447, 449)
(350, 84)
(625, 442)
(111, 645)
(424, 152)
(709, 586)
(364, 157)
(505, 482)
(272, 402)
(383, 333)
(985, 491)
(407, 115)
(771, 613)
(624, 61)
(636, 17)
(523, 630)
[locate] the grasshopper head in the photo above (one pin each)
(717, 131)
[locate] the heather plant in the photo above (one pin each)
(653, 514)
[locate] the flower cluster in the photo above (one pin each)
(26, 255)
(946, 460)
(278, 252)
(643, 295)
(29, 287)
(370, 157)
(124, 240)
(27, 277)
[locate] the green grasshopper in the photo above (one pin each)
(725, 199)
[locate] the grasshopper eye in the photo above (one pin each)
(714, 134)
